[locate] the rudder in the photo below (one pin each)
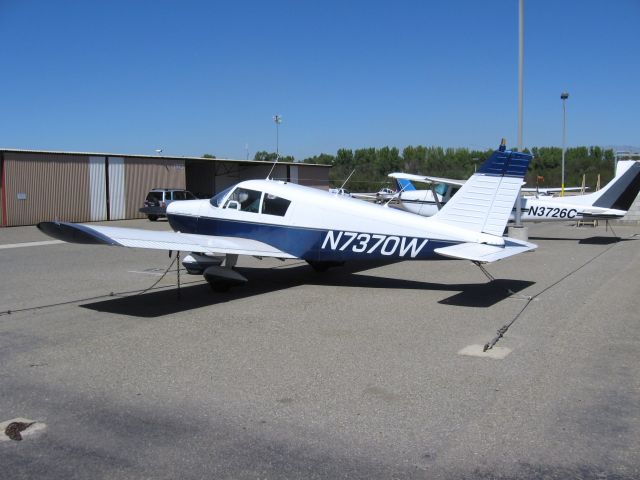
(486, 200)
(623, 190)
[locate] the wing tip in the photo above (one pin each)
(74, 233)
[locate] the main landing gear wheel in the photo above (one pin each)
(221, 279)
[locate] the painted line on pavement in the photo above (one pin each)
(155, 274)
(496, 353)
(30, 244)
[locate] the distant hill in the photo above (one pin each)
(622, 148)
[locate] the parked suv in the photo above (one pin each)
(155, 205)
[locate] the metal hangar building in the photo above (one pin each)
(37, 186)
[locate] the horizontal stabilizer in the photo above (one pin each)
(477, 252)
(139, 238)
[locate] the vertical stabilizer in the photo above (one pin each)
(404, 185)
(486, 200)
(620, 192)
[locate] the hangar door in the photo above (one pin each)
(106, 188)
(117, 202)
(97, 189)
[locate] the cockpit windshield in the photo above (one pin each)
(216, 200)
(253, 201)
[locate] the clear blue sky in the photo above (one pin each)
(204, 76)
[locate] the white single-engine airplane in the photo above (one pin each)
(612, 201)
(267, 218)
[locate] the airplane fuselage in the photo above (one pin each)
(561, 209)
(320, 226)
(533, 209)
(612, 201)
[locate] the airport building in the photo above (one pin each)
(37, 186)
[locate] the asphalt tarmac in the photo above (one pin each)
(354, 373)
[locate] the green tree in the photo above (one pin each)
(322, 159)
(264, 156)
(372, 165)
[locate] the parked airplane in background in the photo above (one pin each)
(550, 191)
(267, 218)
(611, 202)
(380, 196)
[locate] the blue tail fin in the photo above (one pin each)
(485, 201)
(506, 163)
(404, 185)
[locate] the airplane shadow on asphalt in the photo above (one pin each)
(595, 240)
(262, 281)
(603, 240)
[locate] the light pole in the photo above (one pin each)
(518, 206)
(520, 69)
(563, 97)
(278, 120)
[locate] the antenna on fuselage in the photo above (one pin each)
(272, 167)
(345, 182)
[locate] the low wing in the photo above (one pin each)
(138, 238)
(477, 252)
(427, 179)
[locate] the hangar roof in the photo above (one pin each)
(156, 157)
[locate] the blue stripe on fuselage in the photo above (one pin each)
(313, 244)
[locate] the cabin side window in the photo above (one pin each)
(273, 205)
(244, 199)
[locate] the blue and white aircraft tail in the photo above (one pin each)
(484, 202)
(404, 185)
(267, 218)
(483, 205)
(611, 202)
